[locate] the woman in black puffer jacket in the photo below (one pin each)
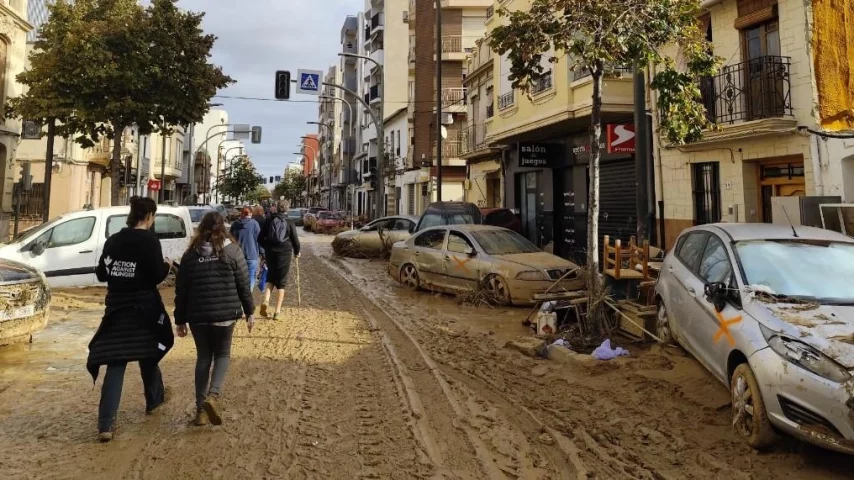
(211, 293)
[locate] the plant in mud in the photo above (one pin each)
(595, 36)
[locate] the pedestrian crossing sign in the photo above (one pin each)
(308, 81)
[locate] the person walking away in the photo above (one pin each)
(280, 242)
(259, 216)
(212, 292)
(135, 326)
(246, 231)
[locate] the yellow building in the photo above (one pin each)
(783, 82)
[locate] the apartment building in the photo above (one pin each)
(462, 25)
(350, 108)
(783, 90)
(329, 136)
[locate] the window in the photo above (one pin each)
(503, 242)
(707, 193)
(432, 239)
(402, 225)
(458, 243)
(715, 266)
(692, 249)
(179, 154)
(166, 226)
(69, 233)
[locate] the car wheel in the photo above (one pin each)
(749, 417)
(662, 325)
(497, 287)
(409, 277)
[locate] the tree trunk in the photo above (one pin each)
(115, 164)
(594, 286)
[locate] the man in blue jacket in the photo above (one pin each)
(246, 231)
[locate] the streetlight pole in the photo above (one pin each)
(328, 132)
(162, 193)
(225, 158)
(209, 137)
(438, 100)
(379, 126)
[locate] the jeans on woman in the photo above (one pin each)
(111, 391)
(253, 271)
(213, 347)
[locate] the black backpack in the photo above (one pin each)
(277, 231)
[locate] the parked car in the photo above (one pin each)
(296, 215)
(197, 212)
(461, 258)
(328, 221)
(316, 210)
(68, 247)
(222, 209)
(25, 297)
(769, 311)
(449, 213)
(501, 217)
(308, 221)
(367, 241)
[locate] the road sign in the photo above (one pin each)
(308, 81)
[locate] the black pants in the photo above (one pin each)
(213, 346)
(111, 391)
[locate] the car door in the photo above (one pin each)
(460, 262)
(428, 257)
(684, 285)
(369, 237)
(172, 231)
(400, 229)
(70, 257)
(712, 329)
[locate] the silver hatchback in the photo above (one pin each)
(769, 311)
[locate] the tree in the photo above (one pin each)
(595, 35)
(260, 193)
(102, 66)
(291, 187)
(240, 179)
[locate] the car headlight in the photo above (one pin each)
(530, 275)
(805, 356)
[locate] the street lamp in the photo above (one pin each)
(208, 137)
(379, 125)
(328, 132)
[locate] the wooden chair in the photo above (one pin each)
(614, 266)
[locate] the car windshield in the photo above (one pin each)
(294, 213)
(24, 236)
(437, 219)
(196, 214)
(329, 215)
(821, 270)
(503, 242)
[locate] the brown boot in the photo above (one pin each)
(105, 437)
(201, 418)
(212, 409)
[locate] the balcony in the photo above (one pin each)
(348, 145)
(452, 43)
(367, 33)
(472, 139)
(490, 11)
(450, 149)
(377, 23)
(542, 84)
(507, 100)
(377, 56)
(757, 89)
(453, 97)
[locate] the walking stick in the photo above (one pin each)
(299, 288)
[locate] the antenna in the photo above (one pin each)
(790, 221)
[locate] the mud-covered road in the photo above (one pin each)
(366, 380)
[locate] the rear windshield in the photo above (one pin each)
(503, 242)
(196, 214)
(295, 213)
(436, 219)
(329, 215)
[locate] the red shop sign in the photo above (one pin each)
(621, 138)
(154, 184)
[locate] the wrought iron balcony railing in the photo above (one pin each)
(752, 90)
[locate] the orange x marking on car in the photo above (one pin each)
(461, 263)
(724, 330)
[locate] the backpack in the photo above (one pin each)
(277, 231)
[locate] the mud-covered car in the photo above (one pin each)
(369, 241)
(464, 258)
(769, 311)
(24, 302)
(328, 222)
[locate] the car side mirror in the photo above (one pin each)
(412, 229)
(716, 293)
(38, 248)
(470, 252)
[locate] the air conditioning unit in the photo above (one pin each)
(405, 17)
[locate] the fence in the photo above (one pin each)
(752, 90)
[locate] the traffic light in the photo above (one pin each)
(26, 178)
(256, 134)
(272, 179)
(283, 85)
(121, 175)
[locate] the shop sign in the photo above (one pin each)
(621, 138)
(537, 155)
(154, 184)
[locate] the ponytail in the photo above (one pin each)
(140, 209)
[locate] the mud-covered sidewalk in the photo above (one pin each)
(366, 380)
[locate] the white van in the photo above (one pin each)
(67, 248)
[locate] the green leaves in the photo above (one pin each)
(240, 179)
(292, 186)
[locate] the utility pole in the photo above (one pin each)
(642, 156)
(161, 195)
(48, 167)
(438, 100)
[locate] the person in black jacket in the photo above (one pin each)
(135, 326)
(212, 292)
(280, 241)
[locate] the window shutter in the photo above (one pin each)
(753, 12)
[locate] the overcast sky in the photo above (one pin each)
(258, 37)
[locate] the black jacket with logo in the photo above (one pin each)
(212, 288)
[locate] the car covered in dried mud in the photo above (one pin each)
(769, 311)
(464, 258)
(24, 302)
(372, 239)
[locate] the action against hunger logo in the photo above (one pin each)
(120, 268)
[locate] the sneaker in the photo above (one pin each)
(105, 437)
(276, 316)
(212, 409)
(167, 392)
(201, 418)
(263, 309)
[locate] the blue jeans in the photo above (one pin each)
(253, 270)
(111, 391)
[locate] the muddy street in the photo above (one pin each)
(366, 380)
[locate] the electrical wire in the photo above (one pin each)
(259, 99)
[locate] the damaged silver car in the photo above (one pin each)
(769, 311)
(24, 302)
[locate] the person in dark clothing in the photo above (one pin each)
(212, 292)
(246, 231)
(280, 242)
(135, 326)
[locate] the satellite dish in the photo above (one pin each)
(444, 133)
